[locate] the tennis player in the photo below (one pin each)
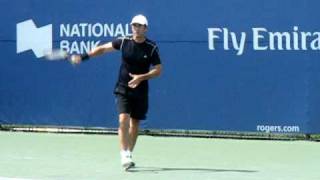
(131, 90)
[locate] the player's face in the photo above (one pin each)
(138, 30)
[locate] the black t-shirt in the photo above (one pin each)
(136, 59)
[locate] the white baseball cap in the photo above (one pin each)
(139, 19)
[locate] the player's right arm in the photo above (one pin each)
(104, 48)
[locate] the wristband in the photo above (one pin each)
(85, 57)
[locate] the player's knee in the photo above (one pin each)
(135, 123)
(124, 121)
(124, 117)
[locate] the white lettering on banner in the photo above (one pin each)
(95, 30)
(280, 129)
(212, 37)
(256, 37)
(78, 47)
(85, 30)
(262, 40)
(315, 44)
(237, 45)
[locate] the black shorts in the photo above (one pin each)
(132, 103)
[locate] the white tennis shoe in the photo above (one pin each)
(126, 160)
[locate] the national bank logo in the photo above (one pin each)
(74, 38)
(31, 37)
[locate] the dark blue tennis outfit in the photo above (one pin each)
(137, 58)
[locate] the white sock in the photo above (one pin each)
(124, 153)
(129, 153)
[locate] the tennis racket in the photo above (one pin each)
(56, 55)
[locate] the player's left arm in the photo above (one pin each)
(138, 78)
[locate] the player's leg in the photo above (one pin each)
(139, 111)
(123, 131)
(133, 132)
(123, 106)
(133, 135)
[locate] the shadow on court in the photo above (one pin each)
(160, 169)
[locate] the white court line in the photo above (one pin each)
(6, 178)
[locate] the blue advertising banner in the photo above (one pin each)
(228, 65)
